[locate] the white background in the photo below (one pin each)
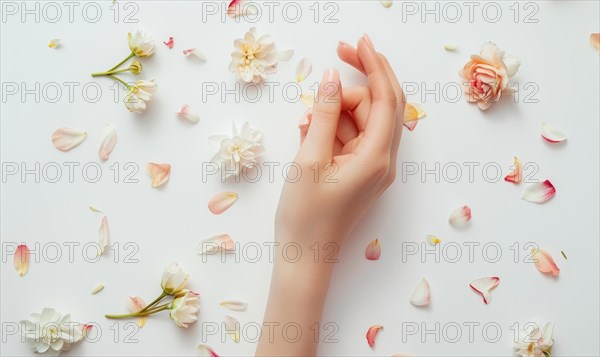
(167, 224)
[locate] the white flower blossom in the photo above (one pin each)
(254, 57)
(238, 151)
(49, 333)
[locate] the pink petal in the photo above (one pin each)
(411, 125)
(86, 329)
(159, 173)
(544, 262)
(232, 328)
(221, 242)
(516, 175)
(206, 351)
(373, 251)
(186, 113)
(303, 69)
(109, 140)
(234, 305)
(484, 285)
(135, 304)
(65, 139)
(103, 235)
(460, 216)
(194, 52)
(21, 259)
(239, 8)
(372, 334)
(422, 294)
(551, 134)
(595, 40)
(170, 43)
(539, 192)
(222, 201)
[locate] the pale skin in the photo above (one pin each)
(358, 130)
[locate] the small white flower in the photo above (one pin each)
(50, 333)
(184, 309)
(141, 43)
(138, 94)
(173, 279)
(535, 342)
(254, 57)
(240, 150)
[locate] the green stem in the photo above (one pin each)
(156, 301)
(98, 74)
(123, 61)
(120, 80)
(139, 314)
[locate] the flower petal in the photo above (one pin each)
(97, 289)
(135, 304)
(54, 43)
(539, 192)
(303, 69)
(65, 139)
(285, 55)
(159, 173)
(220, 202)
(512, 64)
(422, 294)
(551, 134)
(372, 334)
(170, 43)
(194, 52)
(595, 40)
(411, 125)
(451, 47)
(221, 242)
(484, 285)
(103, 235)
(544, 262)
(232, 328)
(95, 209)
(109, 140)
(516, 175)
(206, 351)
(307, 99)
(21, 259)
(186, 113)
(386, 3)
(240, 8)
(432, 240)
(460, 216)
(234, 305)
(373, 251)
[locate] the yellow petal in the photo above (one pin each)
(303, 70)
(220, 202)
(450, 47)
(159, 173)
(307, 99)
(54, 43)
(21, 259)
(97, 289)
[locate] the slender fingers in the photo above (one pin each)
(399, 110)
(347, 53)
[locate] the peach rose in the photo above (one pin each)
(486, 75)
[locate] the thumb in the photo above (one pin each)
(320, 138)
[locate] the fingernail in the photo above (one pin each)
(329, 82)
(368, 40)
(344, 44)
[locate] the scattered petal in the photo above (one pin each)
(551, 134)
(54, 43)
(206, 351)
(544, 262)
(373, 251)
(303, 69)
(65, 139)
(232, 328)
(460, 216)
(595, 40)
(97, 289)
(484, 285)
(194, 52)
(563, 254)
(218, 243)
(135, 304)
(234, 305)
(186, 113)
(95, 209)
(222, 201)
(450, 47)
(240, 8)
(411, 125)
(307, 99)
(103, 235)
(170, 43)
(386, 3)
(539, 192)
(433, 240)
(21, 259)
(412, 113)
(372, 334)
(516, 175)
(86, 329)
(285, 55)
(159, 173)
(109, 140)
(422, 294)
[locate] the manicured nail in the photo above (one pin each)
(344, 44)
(329, 82)
(368, 40)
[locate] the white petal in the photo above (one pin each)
(285, 55)
(303, 70)
(194, 52)
(512, 64)
(109, 140)
(206, 351)
(386, 3)
(551, 134)
(484, 285)
(186, 113)
(54, 43)
(234, 305)
(539, 192)
(221, 242)
(433, 240)
(65, 139)
(232, 328)
(422, 295)
(460, 216)
(103, 235)
(450, 47)
(307, 99)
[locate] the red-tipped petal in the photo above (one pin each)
(460, 216)
(516, 175)
(544, 262)
(551, 134)
(206, 351)
(484, 286)
(372, 334)
(170, 43)
(539, 192)
(373, 251)
(21, 259)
